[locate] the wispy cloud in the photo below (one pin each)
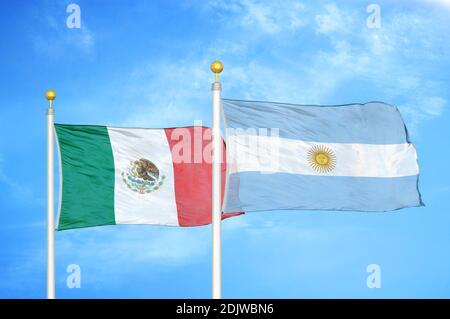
(18, 189)
(332, 20)
(53, 37)
(391, 62)
(167, 93)
(443, 3)
(61, 41)
(260, 16)
(134, 244)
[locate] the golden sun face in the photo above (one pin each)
(321, 158)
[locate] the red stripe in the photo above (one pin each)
(191, 154)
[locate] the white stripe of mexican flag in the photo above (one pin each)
(133, 207)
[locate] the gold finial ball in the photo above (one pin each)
(50, 95)
(216, 67)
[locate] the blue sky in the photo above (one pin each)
(146, 63)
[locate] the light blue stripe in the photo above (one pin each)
(371, 123)
(252, 191)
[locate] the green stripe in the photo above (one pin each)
(87, 176)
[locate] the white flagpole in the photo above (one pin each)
(50, 95)
(216, 68)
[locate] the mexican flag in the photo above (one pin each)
(112, 175)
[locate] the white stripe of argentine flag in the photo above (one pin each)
(347, 157)
(281, 155)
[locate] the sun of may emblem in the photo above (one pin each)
(321, 159)
(142, 176)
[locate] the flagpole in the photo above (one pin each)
(216, 68)
(50, 95)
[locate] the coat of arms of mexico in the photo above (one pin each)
(143, 176)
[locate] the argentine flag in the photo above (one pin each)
(354, 157)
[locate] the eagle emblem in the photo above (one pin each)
(143, 176)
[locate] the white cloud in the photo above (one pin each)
(168, 94)
(333, 20)
(272, 17)
(388, 60)
(423, 108)
(134, 244)
(266, 17)
(391, 60)
(18, 189)
(58, 39)
(444, 3)
(434, 105)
